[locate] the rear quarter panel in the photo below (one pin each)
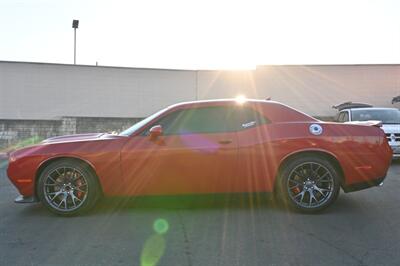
(362, 151)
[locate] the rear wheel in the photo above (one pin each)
(68, 188)
(309, 184)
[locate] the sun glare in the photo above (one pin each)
(240, 99)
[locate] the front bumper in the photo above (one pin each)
(363, 185)
(396, 150)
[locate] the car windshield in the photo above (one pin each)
(386, 116)
(138, 125)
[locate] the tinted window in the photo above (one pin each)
(387, 116)
(198, 120)
(141, 123)
(169, 122)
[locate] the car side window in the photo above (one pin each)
(248, 118)
(169, 122)
(340, 117)
(336, 118)
(345, 116)
(198, 120)
(205, 120)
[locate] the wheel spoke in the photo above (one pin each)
(295, 181)
(64, 200)
(58, 193)
(58, 172)
(302, 196)
(54, 193)
(73, 197)
(302, 193)
(80, 190)
(319, 179)
(298, 174)
(55, 182)
(324, 181)
(74, 175)
(312, 197)
(51, 185)
(315, 172)
(322, 190)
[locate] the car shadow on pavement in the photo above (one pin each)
(264, 202)
(186, 202)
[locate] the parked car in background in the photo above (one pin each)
(396, 99)
(203, 147)
(388, 117)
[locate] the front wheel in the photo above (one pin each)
(309, 184)
(68, 188)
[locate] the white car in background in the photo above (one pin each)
(389, 117)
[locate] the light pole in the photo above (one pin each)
(75, 24)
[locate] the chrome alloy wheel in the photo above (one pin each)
(65, 189)
(310, 185)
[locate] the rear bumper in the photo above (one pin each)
(363, 185)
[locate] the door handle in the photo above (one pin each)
(225, 141)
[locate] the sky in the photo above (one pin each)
(203, 34)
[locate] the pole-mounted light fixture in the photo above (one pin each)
(75, 24)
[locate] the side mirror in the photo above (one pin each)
(155, 132)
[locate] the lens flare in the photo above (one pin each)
(161, 226)
(153, 250)
(154, 247)
(240, 99)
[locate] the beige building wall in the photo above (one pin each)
(46, 91)
(311, 89)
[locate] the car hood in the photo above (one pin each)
(391, 128)
(75, 137)
(38, 148)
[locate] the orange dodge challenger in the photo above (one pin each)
(202, 147)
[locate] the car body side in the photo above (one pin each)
(360, 153)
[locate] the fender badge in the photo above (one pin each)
(315, 129)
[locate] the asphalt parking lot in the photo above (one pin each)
(362, 228)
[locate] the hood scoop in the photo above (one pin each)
(76, 137)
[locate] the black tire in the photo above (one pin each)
(68, 182)
(308, 184)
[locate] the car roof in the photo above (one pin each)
(225, 100)
(277, 112)
(371, 108)
(229, 101)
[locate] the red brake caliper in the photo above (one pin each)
(296, 190)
